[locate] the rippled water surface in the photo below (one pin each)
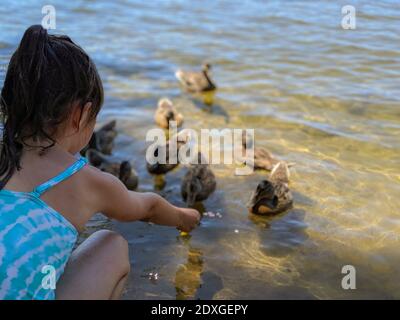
(317, 95)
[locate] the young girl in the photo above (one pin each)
(51, 96)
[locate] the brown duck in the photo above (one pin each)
(198, 183)
(272, 195)
(165, 113)
(196, 81)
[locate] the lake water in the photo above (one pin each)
(323, 97)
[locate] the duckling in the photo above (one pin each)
(123, 170)
(198, 183)
(272, 195)
(196, 81)
(165, 113)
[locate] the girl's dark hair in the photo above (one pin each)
(46, 76)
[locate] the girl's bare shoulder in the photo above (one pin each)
(101, 186)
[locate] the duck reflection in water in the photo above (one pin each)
(188, 275)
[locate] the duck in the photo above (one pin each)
(165, 113)
(196, 81)
(198, 183)
(272, 195)
(122, 170)
(193, 270)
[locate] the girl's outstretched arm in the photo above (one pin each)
(117, 202)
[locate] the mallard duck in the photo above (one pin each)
(196, 81)
(165, 113)
(272, 195)
(198, 183)
(122, 170)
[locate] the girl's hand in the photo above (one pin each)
(189, 219)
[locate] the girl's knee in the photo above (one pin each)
(116, 246)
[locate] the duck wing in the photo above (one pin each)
(285, 197)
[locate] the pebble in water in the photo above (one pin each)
(212, 214)
(153, 276)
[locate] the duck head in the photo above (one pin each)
(264, 200)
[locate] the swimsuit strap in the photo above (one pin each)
(75, 167)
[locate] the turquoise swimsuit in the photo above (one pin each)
(33, 236)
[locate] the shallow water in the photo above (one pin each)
(317, 95)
